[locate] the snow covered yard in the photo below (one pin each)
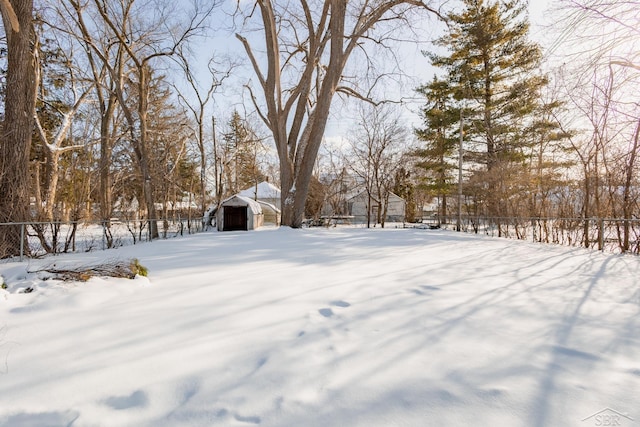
(327, 327)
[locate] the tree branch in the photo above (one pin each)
(9, 16)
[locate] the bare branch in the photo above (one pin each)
(252, 58)
(9, 16)
(254, 100)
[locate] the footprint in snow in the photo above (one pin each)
(342, 304)
(326, 312)
(425, 290)
(248, 420)
(137, 399)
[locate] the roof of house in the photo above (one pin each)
(361, 192)
(264, 190)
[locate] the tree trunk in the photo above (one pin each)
(143, 154)
(203, 165)
(15, 141)
(51, 190)
(106, 202)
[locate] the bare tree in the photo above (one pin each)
(197, 107)
(15, 139)
(307, 50)
(172, 163)
(332, 172)
(377, 147)
(603, 86)
(143, 41)
(55, 141)
(71, 14)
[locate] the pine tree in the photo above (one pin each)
(405, 188)
(441, 119)
(493, 67)
(242, 147)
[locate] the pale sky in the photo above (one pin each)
(420, 67)
(417, 65)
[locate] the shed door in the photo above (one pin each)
(235, 218)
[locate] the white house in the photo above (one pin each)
(264, 192)
(358, 202)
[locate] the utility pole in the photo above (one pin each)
(459, 216)
(215, 161)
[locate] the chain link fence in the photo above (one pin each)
(604, 234)
(46, 238)
(38, 239)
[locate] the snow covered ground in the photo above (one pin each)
(326, 327)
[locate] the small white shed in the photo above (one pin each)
(239, 213)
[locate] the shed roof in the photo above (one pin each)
(269, 206)
(238, 200)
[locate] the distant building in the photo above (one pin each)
(263, 192)
(357, 206)
(347, 198)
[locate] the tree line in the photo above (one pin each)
(95, 127)
(95, 123)
(503, 138)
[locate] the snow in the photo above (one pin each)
(263, 190)
(326, 327)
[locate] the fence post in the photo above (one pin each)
(104, 235)
(22, 241)
(601, 234)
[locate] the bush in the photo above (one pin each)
(137, 268)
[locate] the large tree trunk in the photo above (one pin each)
(296, 110)
(15, 142)
(307, 149)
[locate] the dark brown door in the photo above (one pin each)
(235, 218)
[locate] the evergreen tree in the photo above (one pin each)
(441, 119)
(405, 188)
(493, 67)
(242, 149)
